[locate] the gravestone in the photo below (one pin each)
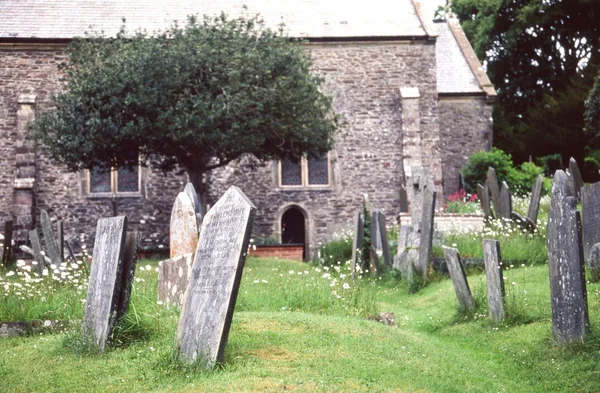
(30, 251)
(212, 290)
(7, 243)
(173, 279)
(183, 227)
(459, 279)
(102, 304)
(60, 237)
(132, 241)
(37, 249)
(70, 250)
(190, 191)
(49, 238)
(462, 185)
(536, 196)
(523, 222)
(484, 197)
(421, 185)
(594, 263)
(403, 200)
(402, 249)
(379, 238)
(576, 179)
(495, 281)
(426, 232)
(570, 320)
(505, 202)
(357, 243)
(492, 183)
(590, 216)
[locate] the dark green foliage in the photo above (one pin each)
(551, 163)
(335, 251)
(591, 115)
(195, 97)
(589, 172)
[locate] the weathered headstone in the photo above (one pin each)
(403, 200)
(570, 320)
(484, 197)
(379, 238)
(402, 249)
(421, 185)
(132, 241)
(183, 227)
(495, 282)
(523, 222)
(60, 238)
(105, 282)
(357, 243)
(190, 191)
(173, 279)
(459, 278)
(575, 177)
(594, 263)
(37, 249)
(7, 243)
(49, 238)
(212, 291)
(426, 232)
(505, 201)
(376, 229)
(534, 203)
(492, 183)
(590, 211)
(71, 252)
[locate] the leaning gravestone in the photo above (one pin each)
(173, 279)
(590, 209)
(534, 203)
(505, 202)
(183, 227)
(459, 279)
(492, 183)
(426, 232)
(49, 238)
(357, 243)
(102, 304)
(594, 263)
(37, 249)
(495, 281)
(190, 191)
(379, 236)
(60, 238)
(570, 320)
(576, 179)
(132, 242)
(212, 291)
(484, 197)
(7, 243)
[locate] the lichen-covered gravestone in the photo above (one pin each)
(426, 232)
(103, 300)
(576, 179)
(495, 282)
(590, 209)
(459, 278)
(212, 291)
(183, 227)
(570, 320)
(357, 243)
(173, 279)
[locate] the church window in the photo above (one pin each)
(116, 181)
(308, 172)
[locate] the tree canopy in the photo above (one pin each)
(542, 57)
(195, 97)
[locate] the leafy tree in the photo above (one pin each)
(195, 97)
(541, 56)
(592, 112)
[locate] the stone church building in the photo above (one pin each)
(409, 89)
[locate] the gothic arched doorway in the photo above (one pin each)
(293, 227)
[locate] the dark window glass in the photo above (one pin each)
(127, 180)
(99, 180)
(318, 171)
(291, 173)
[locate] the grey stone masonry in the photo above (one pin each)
(568, 295)
(459, 279)
(495, 282)
(590, 210)
(212, 290)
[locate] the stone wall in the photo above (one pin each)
(465, 128)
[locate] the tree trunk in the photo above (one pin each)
(200, 183)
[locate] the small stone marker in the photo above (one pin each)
(459, 279)
(37, 249)
(505, 201)
(105, 282)
(173, 279)
(357, 243)
(130, 253)
(492, 183)
(7, 242)
(184, 226)
(590, 209)
(534, 203)
(570, 320)
(403, 200)
(426, 232)
(49, 238)
(594, 263)
(212, 291)
(495, 282)
(60, 237)
(484, 197)
(190, 191)
(523, 222)
(575, 177)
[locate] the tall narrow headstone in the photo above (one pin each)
(190, 191)
(212, 291)
(106, 275)
(461, 184)
(590, 216)
(421, 184)
(173, 279)
(426, 232)
(570, 320)
(495, 281)
(357, 243)
(49, 238)
(575, 177)
(402, 249)
(376, 229)
(459, 278)
(505, 201)
(385, 246)
(37, 249)
(7, 244)
(492, 183)
(403, 200)
(534, 203)
(183, 227)
(594, 263)
(60, 238)
(132, 241)
(484, 197)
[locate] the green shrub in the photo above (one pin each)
(335, 251)
(521, 181)
(475, 170)
(590, 169)
(551, 163)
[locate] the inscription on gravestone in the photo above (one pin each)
(570, 320)
(357, 243)
(590, 209)
(459, 278)
(495, 282)
(212, 291)
(183, 232)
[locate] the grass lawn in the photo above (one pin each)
(290, 333)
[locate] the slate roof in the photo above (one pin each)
(65, 19)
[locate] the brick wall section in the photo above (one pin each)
(292, 253)
(465, 128)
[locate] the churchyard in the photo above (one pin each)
(511, 315)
